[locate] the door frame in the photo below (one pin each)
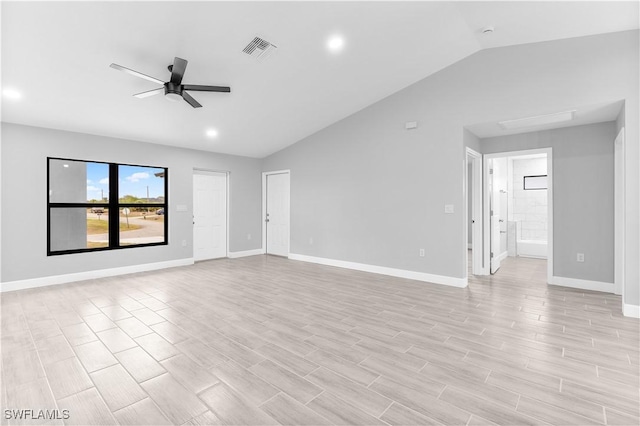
(476, 212)
(227, 174)
(485, 191)
(619, 214)
(264, 208)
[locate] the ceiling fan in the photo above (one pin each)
(173, 89)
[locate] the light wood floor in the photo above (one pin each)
(265, 340)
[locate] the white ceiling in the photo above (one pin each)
(57, 54)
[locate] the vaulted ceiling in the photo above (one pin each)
(57, 56)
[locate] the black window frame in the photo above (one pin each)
(113, 204)
(524, 182)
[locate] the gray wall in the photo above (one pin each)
(369, 191)
(24, 197)
(582, 195)
(470, 140)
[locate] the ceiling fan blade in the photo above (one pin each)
(136, 73)
(177, 71)
(187, 97)
(148, 93)
(199, 88)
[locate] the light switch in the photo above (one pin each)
(448, 208)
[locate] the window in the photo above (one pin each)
(103, 206)
(535, 182)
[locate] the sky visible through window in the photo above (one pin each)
(134, 180)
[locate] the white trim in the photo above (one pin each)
(582, 284)
(400, 273)
(619, 214)
(228, 205)
(476, 212)
(502, 256)
(486, 224)
(550, 184)
(632, 311)
(245, 253)
(264, 207)
(89, 275)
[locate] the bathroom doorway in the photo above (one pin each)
(518, 208)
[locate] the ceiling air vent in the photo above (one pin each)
(259, 48)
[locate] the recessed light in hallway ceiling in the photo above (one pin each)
(11, 94)
(539, 120)
(335, 43)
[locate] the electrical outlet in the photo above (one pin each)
(580, 257)
(248, 236)
(184, 243)
(448, 208)
(310, 240)
(421, 252)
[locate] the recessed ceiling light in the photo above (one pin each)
(538, 120)
(212, 133)
(66, 166)
(11, 94)
(335, 43)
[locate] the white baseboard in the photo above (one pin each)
(237, 254)
(400, 273)
(89, 275)
(632, 311)
(502, 256)
(583, 284)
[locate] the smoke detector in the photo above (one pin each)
(259, 48)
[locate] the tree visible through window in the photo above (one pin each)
(100, 206)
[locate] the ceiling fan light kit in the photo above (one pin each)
(173, 89)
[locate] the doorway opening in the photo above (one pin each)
(210, 233)
(518, 207)
(275, 211)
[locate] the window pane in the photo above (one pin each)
(141, 184)
(535, 182)
(74, 228)
(78, 181)
(141, 225)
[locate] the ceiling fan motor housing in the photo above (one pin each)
(172, 91)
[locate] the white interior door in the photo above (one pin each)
(476, 213)
(474, 161)
(209, 215)
(494, 214)
(277, 214)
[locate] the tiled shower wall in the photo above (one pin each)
(530, 206)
